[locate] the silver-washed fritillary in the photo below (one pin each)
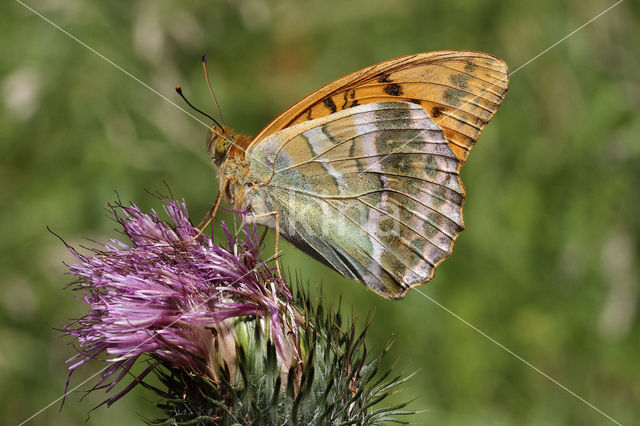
(363, 174)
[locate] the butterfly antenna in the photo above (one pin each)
(179, 90)
(206, 75)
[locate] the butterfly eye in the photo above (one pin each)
(222, 146)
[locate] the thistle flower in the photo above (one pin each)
(226, 337)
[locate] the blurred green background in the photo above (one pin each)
(548, 264)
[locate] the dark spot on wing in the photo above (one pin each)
(344, 105)
(309, 114)
(460, 80)
(453, 96)
(352, 94)
(328, 102)
(384, 79)
(436, 111)
(386, 225)
(416, 101)
(393, 89)
(354, 103)
(431, 167)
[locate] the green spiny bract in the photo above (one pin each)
(337, 382)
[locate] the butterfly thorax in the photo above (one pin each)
(233, 173)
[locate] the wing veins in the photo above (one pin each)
(376, 84)
(366, 252)
(444, 57)
(456, 173)
(378, 262)
(311, 194)
(409, 177)
(424, 237)
(465, 122)
(395, 191)
(387, 156)
(474, 76)
(460, 133)
(311, 160)
(311, 245)
(435, 225)
(362, 157)
(405, 99)
(356, 196)
(483, 66)
(281, 147)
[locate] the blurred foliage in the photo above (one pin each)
(548, 264)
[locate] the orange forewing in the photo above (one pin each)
(459, 90)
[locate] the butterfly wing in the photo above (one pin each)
(373, 191)
(459, 90)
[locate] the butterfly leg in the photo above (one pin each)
(264, 234)
(211, 214)
(277, 229)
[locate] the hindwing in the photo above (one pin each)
(373, 191)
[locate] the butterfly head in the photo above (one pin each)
(222, 143)
(220, 138)
(219, 142)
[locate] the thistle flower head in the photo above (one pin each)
(174, 294)
(226, 338)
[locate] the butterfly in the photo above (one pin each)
(364, 173)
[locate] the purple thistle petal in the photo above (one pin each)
(157, 295)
